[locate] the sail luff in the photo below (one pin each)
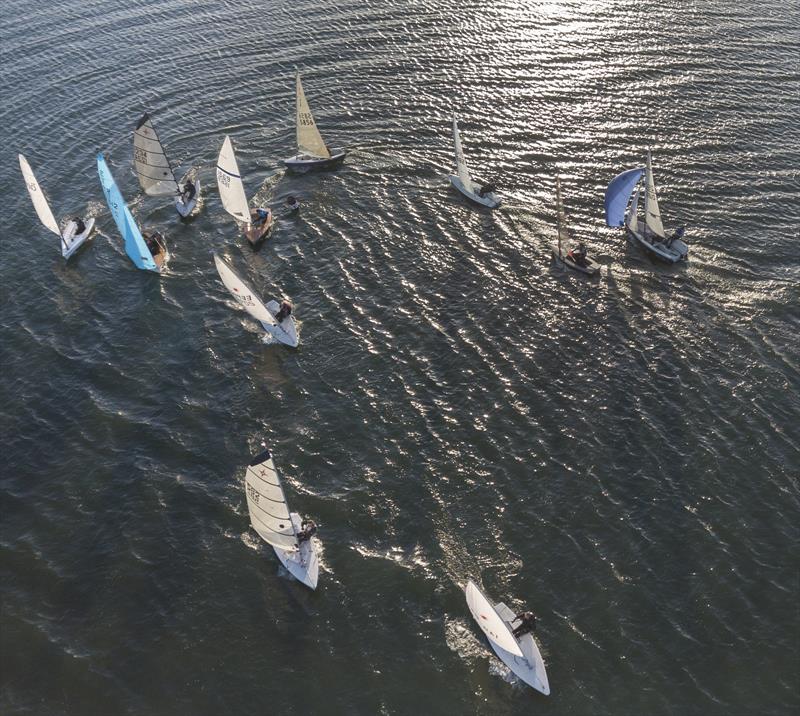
(461, 162)
(652, 213)
(150, 160)
(40, 204)
(309, 140)
(266, 503)
(229, 181)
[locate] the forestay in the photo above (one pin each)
(38, 198)
(231, 189)
(489, 620)
(150, 160)
(652, 214)
(309, 140)
(243, 293)
(269, 513)
(461, 163)
(619, 193)
(135, 246)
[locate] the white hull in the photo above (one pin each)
(71, 243)
(302, 163)
(678, 251)
(184, 209)
(529, 667)
(303, 562)
(490, 199)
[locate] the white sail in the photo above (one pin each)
(633, 213)
(269, 513)
(243, 293)
(229, 181)
(563, 234)
(652, 214)
(309, 140)
(150, 160)
(461, 163)
(38, 198)
(489, 620)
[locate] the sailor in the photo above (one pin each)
(152, 242)
(284, 312)
(527, 622)
(292, 204)
(486, 189)
(260, 216)
(308, 528)
(80, 227)
(677, 235)
(578, 255)
(188, 191)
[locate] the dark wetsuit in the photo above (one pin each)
(188, 191)
(285, 312)
(527, 622)
(80, 227)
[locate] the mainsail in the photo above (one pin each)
(633, 213)
(652, 214)
(563, 235)
(150, 160)
(309, 140)
(243, 293)
(135, 246)
(231, 189)
(38, 198)
(489, 620)
(619, 193)
(461, 163)
(269, 513)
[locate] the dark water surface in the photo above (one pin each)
(621, 456)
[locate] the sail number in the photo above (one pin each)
(305, 119)
(252, 494)
(140, 155)
(223, 178)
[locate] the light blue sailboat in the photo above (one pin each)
(135, 244)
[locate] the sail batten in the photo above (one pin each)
(135, 246)
(266, 503)
(43, 210)
(229, 181)
(461, 162)
(150, 160)
(309, 140)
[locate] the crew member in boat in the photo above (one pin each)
(189, 191)
(527, 623)
(677, 235)
(80, 227)
(486, 189)
(292, 204)
(152, 241)
(308, 528)
(259, 216)
(578, 255)
(284, 312)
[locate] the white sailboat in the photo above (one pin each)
(276, 525)
(312, 152)
(274, 318)
(622, 209)
(479, 193)
(576, 258)
(71, 238)
(155, 172)
(521, 655)
(255, 223)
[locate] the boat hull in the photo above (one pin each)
(592, 268)
(678, 251)
(256, 235)
(303, 163)
(184, 209)
(530, 666)
(302, 562)
(71, 243)
(489, 200)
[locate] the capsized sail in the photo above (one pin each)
(489, 620)
(150, 160)
(619, 193)
(243, 293)
(309, 140)
(231, 189)
(135, 246)
(38, 198)
(269, 513)
(652, 214)
(461, 163)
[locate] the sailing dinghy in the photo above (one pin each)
(70, 240)
(148, 252)
(274, 319)
(292, 538)
(479, 193)
(575, 258)
(312, 152)
(622, 209)
(256, 223)
(521, 655)
(155, 172)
